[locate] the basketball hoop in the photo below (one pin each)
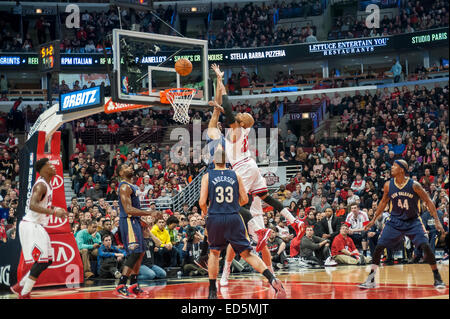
(180, 99)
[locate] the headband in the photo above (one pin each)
(401, 165)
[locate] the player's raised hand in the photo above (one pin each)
(216, 69)
(216, 105)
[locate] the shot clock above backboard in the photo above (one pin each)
(49, 57)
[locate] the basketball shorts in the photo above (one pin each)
(257, 222)
(131, 234)
(253, 181)
(35, 241)
(395, 229)
(224, 229)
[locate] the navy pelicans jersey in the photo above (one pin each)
(404, 202)
(223, 190)
(135, 202)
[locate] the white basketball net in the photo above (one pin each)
(181, 100)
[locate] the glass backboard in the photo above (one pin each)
(144, 65)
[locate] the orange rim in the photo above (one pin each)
(175, 92)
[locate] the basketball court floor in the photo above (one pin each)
(411, 281)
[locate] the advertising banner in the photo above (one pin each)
(94, 62)
(81, 100)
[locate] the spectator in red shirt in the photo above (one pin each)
(343, 249)
(244, 81)
(81, 146)
(82, 35)
(427, 179)
(113, 127)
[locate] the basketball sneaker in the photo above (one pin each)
(202, 262)
(330, 262)
(297, 225)
(369, 283)
(280, 293)
(439, 284)
(263, 236)
(123, 292)
(26, 296)
(136, 290)
(16, 289)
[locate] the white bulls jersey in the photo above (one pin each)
(238, 155)
(46, 202)
(240, 150)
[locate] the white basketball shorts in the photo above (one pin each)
(254, 183)
(35, 241)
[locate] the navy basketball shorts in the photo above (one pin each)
(131, 235)
(395, 229)
(224, 229)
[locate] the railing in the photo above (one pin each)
(190, 194)
(129, 135)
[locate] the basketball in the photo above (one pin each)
(183, 67)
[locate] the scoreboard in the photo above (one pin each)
(49, 57)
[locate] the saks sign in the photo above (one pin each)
(348, 47)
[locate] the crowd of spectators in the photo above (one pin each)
(90, 37)
(413, 16)
(339, 182)
(255, 26)
(248, 26)
(346, 172)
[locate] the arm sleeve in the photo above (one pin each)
(229, 116)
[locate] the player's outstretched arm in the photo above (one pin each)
(381, 206)
(213, 131)
(220, 87)
(125, 198)
(431, 207)
(243, 197)
(204, 194)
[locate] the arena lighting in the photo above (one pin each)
(194, 9)
(39, 11)
(305, 115)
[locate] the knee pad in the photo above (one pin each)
(246, 214)
(132, 259)
(249, 203)
(277, 205)
(38, 268)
